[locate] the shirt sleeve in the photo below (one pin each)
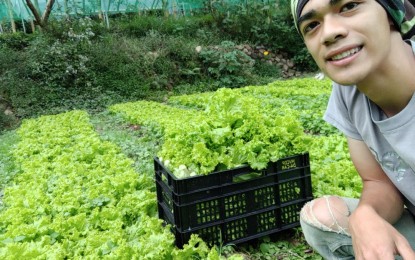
(343, 102)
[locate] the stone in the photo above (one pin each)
(8, 112)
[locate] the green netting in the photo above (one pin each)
(18, 10)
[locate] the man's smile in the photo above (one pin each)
(345, 54)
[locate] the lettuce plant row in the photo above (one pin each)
(78, 197)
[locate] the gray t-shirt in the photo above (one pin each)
(391, 140)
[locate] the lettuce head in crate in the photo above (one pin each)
(233, 130)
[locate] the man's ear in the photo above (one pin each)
(391, 23)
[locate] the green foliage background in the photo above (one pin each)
(79, 63)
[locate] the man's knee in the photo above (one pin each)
(328, 213)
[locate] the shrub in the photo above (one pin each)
(9, 59)
(5, 121)
(117, 64)
(265, 69)
(304, 60)
(227, 65)
(15, 41)
(64, 62)
(130, 66)
(60, 65)
(58, 29)
(140, 25)
(53, 75)
(30, 98)
(263, 23)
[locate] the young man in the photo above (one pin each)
(363, 46)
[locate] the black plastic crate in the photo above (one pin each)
(222, 209)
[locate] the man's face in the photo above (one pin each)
(348, 39)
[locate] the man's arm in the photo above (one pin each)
(378, 192)
(380, 206)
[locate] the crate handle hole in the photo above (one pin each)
(246, 176)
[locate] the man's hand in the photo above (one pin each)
(376, 239)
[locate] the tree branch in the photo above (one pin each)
(47, 12)
(34, 12)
